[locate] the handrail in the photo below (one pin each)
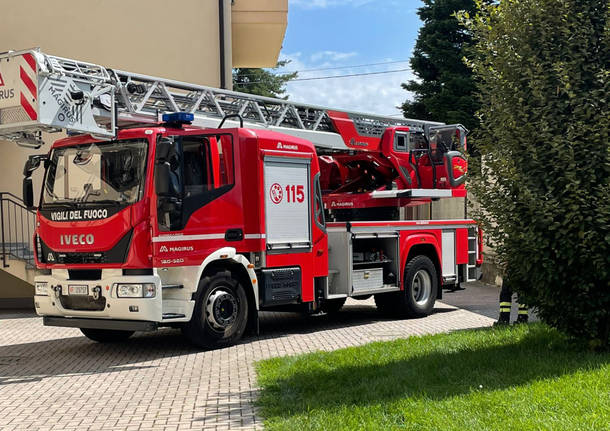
(12, 195)
(17, 225)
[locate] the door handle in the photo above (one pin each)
(234, 235)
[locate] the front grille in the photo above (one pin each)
(117, 254)
(87, 303)
(75, 258)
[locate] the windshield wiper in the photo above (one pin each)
(47, 205)
(105, 202)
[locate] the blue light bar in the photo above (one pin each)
(178, 118)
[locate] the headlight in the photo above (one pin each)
(134, 290)
(41, 288)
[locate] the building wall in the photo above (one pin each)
(177, 40)
(14, 292)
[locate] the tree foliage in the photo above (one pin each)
(445, 88)
(542, 69)
(262, 81)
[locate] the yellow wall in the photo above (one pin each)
(177, 40)
(12, 287)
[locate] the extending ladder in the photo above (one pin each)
(50, 94)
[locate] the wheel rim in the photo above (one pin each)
(421, 287)
(221, 308)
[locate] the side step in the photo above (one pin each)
(167, 316)
(172, 286)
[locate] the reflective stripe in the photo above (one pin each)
(505, 304)
(522, 311)
(175, 238)
(504, 310)
(523, 306)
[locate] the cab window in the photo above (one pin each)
(204, 167)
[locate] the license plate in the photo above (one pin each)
(78, 289)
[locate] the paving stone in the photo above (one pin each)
(56, 379)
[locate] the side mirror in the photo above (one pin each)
(33, 162)
(28, 193)
(164, 148)
(162, 179)
(167, 180)
(457, 167)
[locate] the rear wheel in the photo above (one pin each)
(221, 312)
(419, 295)
(421, 287)
(106, 335)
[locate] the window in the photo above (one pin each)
(225, 160)
(105, 172)
(318, 204)
(208, 163)
(405, 142)
(401, 142)
(206, 168)
(197, 166)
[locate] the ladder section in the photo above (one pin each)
(471, 266)
(141, 95)
(81, 97)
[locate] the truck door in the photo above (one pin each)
(287, 203)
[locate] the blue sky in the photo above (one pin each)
(345, 33)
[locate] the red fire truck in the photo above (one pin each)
(173, 204)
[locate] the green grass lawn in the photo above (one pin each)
(527, 377)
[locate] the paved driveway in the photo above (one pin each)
(54, 378)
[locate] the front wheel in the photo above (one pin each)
(106, 335)
(221, 312)
(421, 287)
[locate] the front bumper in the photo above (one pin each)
(116, 325)
(107, 307)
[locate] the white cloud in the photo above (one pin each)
(374, 94)
(323, 4)
(331, 56)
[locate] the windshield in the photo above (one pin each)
(104, 172)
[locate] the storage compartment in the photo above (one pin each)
(379, 255)
(362, 263)
(280, 286)
(366, 279)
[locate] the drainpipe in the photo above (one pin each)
(221, 37)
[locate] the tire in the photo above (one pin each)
(220, 316)
(330, 306)
(421, 287)
(106, 335)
